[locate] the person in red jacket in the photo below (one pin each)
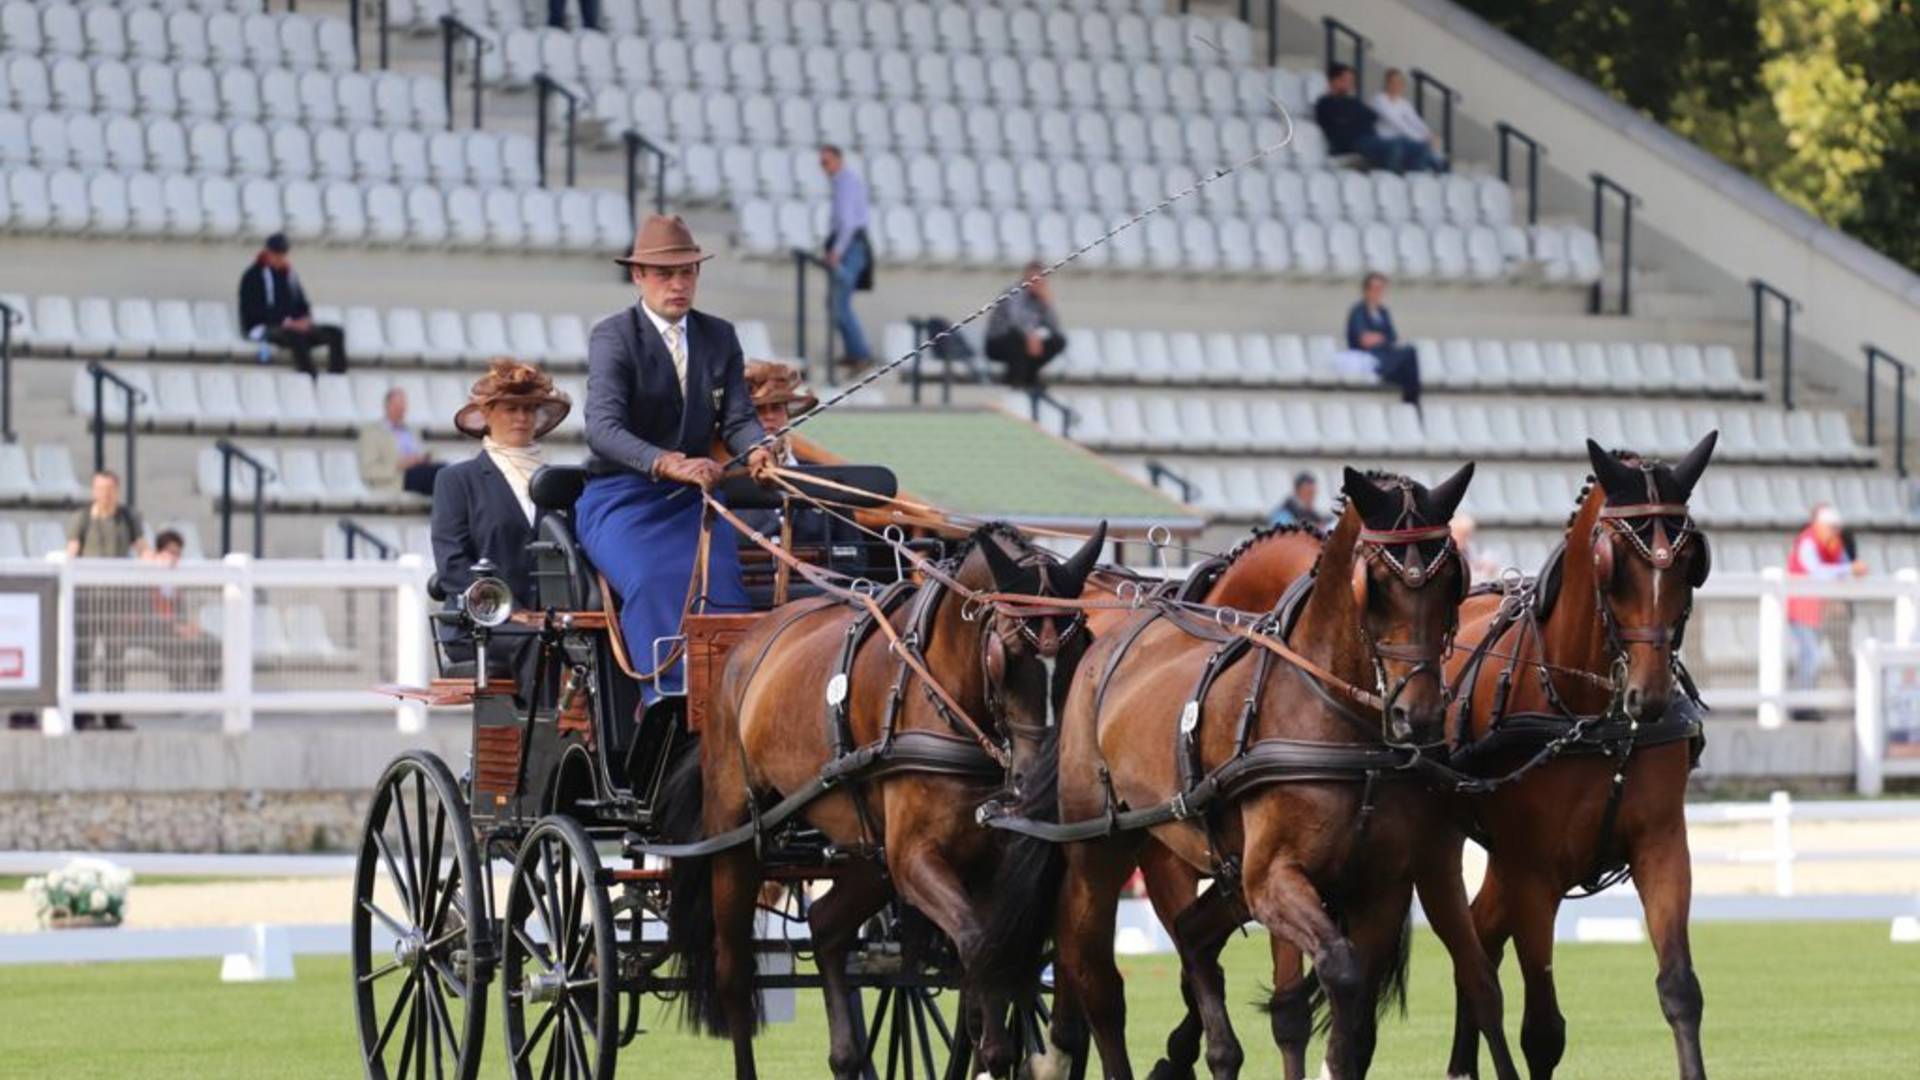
(1819, 552)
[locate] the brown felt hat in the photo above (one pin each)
(510, 381)
(663, 240)
(773, 382)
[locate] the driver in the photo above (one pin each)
(663, 382)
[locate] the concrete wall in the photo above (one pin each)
(1851, 294)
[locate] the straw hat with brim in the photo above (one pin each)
(663, 240)
(770, 382)
(512, 382)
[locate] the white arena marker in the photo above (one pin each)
(1608, 930)
(269, 956)
(1137, 930)
(1906, 930)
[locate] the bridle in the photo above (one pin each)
(1424, 659)
(1012, 619)
(1660, 549)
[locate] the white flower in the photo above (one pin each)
(97, 900)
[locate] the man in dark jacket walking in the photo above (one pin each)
(274, 310)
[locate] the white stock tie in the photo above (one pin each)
(677, 349)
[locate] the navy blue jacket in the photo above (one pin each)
(1358, 322)
(475, 516)
(635, 411)
(1344, 119)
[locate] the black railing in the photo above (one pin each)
(1508, 133)
(803, 260)
(451, 31)
(381, 28)
(547, 87)
(638, 144)
(1877, 356)
(1336, 31)
(1596, 299)
(261, 474)
(356, 532)
(1038, 399)
(130, 396)
(8, 317)
(1158, 471)
(1448, 95)
(914, 377)
(1788, 305)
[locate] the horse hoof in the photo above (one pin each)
(1055, 1064)
(1167, 1070)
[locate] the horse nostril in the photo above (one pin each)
(1633, 700)
(1401, 721)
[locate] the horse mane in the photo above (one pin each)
(1263, 533)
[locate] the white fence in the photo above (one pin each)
(1788, 849)
(232, 638)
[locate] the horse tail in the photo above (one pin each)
(690, 923)
(1391, 993)
(1026, 883)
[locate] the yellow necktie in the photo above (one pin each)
(677, 350)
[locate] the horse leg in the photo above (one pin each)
(1288, 905)
(1663, 874)
(1378, 929)
(736, 897)
(1290, 1009)
(1200, 926)
(1476, 985)
(1543, 1031)
(1172, 888)
(835, 920)
(928, 881)
(1491, 929)
(1089, 896)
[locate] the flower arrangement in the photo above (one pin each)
(85, 892)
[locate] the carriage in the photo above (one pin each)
(565, 786)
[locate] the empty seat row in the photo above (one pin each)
(413, 539)
(1221, 359)
(181, 36)
(416, 215)
(31, 538)
(596, 61)
(868, 125)
(977, 236)
(49, 141)
(1368, 426)
(194, 92)
(40, 473)
(304, 478)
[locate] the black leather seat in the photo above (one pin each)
(563, 577)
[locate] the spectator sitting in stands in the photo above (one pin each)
(1352, 127)
(1820, 553)
(1299, 508)
(1024, 331)
(392, 455)
(1400, 119)
(170, 631)
(105, 530)
(274, 310)
(1370, 330)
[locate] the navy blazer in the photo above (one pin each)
(475, 516)
(635, 411)
(1359, 322)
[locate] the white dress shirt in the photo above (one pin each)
(1399, 119)
(677, 326)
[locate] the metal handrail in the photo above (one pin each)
(261, 474)
(8, 316)
(1158, 471)
(1448, 95)
(1628, 200)
(353, 21)
(638, 144)
(1876, 356)
(1788, 305)
(130, 396)
(1335, 30)
(547, 86)
(1535, 151)
(802, 259)
(452, 30)
(1069, 416)
(357, 531)
(920, 333)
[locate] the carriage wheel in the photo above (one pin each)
(558, 959)
(419, 881)
(907, 1035)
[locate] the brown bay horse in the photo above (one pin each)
(1379, 612)
(1603, 641)
(1006, 669)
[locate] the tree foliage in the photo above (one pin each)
(1818, 99)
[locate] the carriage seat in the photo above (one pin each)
(563, 577)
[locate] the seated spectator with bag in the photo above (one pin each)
(1370, 330)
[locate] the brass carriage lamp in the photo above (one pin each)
(488, 603)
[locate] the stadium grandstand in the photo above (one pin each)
(452, 175)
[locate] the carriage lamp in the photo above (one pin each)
(488, 603)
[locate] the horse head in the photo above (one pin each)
(1648, 557)
(1408, 581)
(1030, 648)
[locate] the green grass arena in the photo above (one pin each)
(1800, 1001)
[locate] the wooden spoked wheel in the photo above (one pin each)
(558, 959)
(421, 933)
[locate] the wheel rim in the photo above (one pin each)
(419, 983)
(558, 960)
